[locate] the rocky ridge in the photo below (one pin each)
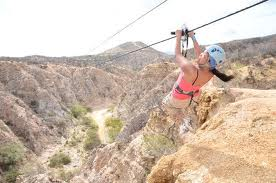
(135, 61)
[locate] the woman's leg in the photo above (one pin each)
(174, 108)
(190, 117)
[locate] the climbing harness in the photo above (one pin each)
(189, 93)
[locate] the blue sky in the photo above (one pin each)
(75, 27)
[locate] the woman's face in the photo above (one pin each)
(203, 58)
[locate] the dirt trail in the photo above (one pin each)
(99, 116)
(75, 152)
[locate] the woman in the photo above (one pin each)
(179, 102)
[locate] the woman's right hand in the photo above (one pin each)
(191, 34)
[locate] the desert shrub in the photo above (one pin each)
(88, 109)
(11, 175)
(90, 122)
(114, 127)
(92, 139)
(74, 140)
(10, 155)
(158, 145)
(59, 160)
(67, 175)
(78, 110)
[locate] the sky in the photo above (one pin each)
(75, 27)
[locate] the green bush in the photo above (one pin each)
(66, 175)
(78, 110)
(88, 109)
(92, 139)
(114, 127)
(11, 175)
(90, 122)
(74, 140)
(10, 155)
(59, 160)
(157, 145)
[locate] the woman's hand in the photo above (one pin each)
(191, 34)
(178, 33)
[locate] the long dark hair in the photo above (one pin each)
(221, 75)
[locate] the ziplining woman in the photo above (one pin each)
(179, 102)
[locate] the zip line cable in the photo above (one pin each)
(141, 48)
(110, 37)
(190, 30)
(230, 15)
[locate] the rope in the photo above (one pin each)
(110, 37)
(190, 30)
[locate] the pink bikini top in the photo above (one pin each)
(184, 90)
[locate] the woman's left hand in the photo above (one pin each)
(191, 34)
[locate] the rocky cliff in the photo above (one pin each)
(153, 82)
(235, 144)
(235, 141)
(36, 99)
(144, 93)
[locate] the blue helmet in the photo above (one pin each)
(216, 54)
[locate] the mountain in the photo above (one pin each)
(134, 61)
(234, 141)
(246, 48)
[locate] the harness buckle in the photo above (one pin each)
(190, 93)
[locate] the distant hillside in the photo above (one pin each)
(135, 61)
(246, 48)
(238, 49)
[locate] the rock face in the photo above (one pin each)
(237, 144)
(151, 84)
(6, 135)
(257, 73)
(42, 178)
(128, 162)
(35, 100)
(19, 118)
(143, 93)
